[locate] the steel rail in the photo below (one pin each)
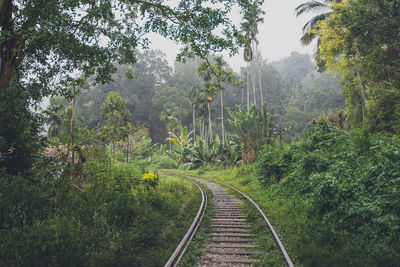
(180, 250)
(278, 241)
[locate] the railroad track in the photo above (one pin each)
(230, 244)
(180, 250)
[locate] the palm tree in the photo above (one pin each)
(201, 105)
(251, 18)
(196, 102)
(260, 64)
(222, 77)
(323, 12)
(209, 91)
(54, 118)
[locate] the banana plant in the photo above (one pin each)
(160, 149)
(181, 145)
(204, 153)
(232, 153)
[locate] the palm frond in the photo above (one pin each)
(312, 23)
(312, 6)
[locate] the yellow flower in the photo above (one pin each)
(149, 176)
(150, 179)
(209, 98)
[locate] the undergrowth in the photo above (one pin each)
(105, 215)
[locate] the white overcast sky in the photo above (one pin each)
(279, 35)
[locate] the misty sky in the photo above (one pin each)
(279, 35)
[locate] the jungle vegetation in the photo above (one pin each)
(314, 138)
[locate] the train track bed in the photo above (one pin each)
(230, 242)
(238, 233)
(202, 237)
(263, 240)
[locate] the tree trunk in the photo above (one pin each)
(112, 151)
(180, 118)
(222, 121)
(209, 122)
(248, 85)
(261, 89)
(204, 128)
(194, 126)
(253, 80)
(7, 72)
(363, 96)
(8, 50)
(71, 130)
(242, 94)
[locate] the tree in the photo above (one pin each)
(150, 76)
(311, 28)
(260, 67)
(296, 67)
(209, 90)
(216, 74)
(194, 99)
(117, 119)
(251, 18)
(54, 115)
(358, 42)
(19, 132)
(54, 38)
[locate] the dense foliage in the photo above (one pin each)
(347, 185)
(111, 215)
(358, 41)
(84, 195)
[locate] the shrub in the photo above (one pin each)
(273, 164)
(162, 162)
(104, 216)
(150, 179)
(348, 185)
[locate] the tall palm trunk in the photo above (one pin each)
(261, 89)
(247, 85)
(194, 125)
(71, 131)
(222, 117)
(209, 122)
(253, 79)
(202, 128)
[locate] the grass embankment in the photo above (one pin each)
(116, 217)
(178, 224)
(198, 244)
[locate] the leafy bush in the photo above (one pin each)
(190, 156)
(162, 162)
(348, 185)
(273, 164)
(105, 216)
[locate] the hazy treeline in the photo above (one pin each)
(291, 86)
